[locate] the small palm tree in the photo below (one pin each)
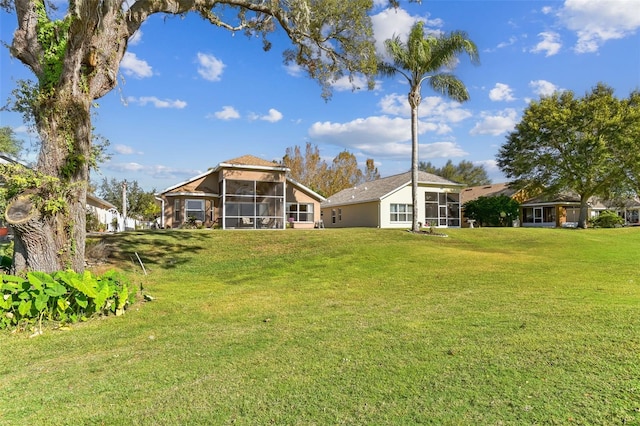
(428, 59)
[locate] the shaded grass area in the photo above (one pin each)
(358, 326)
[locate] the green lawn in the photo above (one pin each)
(359, 326)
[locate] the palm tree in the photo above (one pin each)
(429, 59)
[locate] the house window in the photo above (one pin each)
(339, 215)
(195, 209)
(333, 216)
(401, 213)
(300, 212)
(176, 210)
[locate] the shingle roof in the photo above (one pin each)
(377, 189)
(250, 160)
(493, 190)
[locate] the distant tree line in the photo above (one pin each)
(312, 171)
(465, 172)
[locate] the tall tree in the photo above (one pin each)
(9, 143)
(308, 169)
(140, 203)
(371, 172)
(428, 59)
(344, 173)
(76, 60)
(567, 143)
(465, 172)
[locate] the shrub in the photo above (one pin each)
(607, 219)
(62, 297)
(92, 224)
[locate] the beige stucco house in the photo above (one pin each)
(561, 210)
(243, 193)
(387, 203)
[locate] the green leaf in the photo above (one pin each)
(40, 302)
(82, 300)
(25, 295)
(24, 307)
(85, 286)
(123, 296)
(62, 305)
(55, 289)
(35, 280)
(101, 297)
(6, 302)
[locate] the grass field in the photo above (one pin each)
(358, 326)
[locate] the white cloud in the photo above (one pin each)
(294, 70)
(227, 113)
(596, 22)
(158, 103)
(156, 171)
(496, 124)
(512, 40)
(357, 83)
(125, 150)
(136, 38)
(550, 43)
(135, 67)
(273, 116)
(547, 10)
(543, 87)
(432, 108)
(210, 67)
(501, 92)
(392, 22)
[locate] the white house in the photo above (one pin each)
(387, 203)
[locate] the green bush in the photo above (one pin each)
(607, 219)
(62, 297)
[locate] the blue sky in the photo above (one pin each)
(192, 95)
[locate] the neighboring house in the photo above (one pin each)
(243, 193)
(556, 211)
(629, 210)
(492, 190)
(387, 203)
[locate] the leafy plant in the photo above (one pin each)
(62, 297)
(607, 219)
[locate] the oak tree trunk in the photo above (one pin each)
(76, 60)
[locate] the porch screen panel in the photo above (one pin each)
(453, 209)
(442, 209)
(253, 204)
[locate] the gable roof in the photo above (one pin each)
(492, 190)
(378, 189)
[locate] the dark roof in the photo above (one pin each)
(492, 190)
(377, 189)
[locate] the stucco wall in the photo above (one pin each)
(351, 215)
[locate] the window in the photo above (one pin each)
(401, 213)
(300, 212)
(176, 210)
(339, 215)
(195, 208)
(333, 215)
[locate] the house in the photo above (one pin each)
(492, 190)
(243, 193)
(104, 211)
(387, 203)
(561, 210)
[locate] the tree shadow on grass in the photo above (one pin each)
(161, 249)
